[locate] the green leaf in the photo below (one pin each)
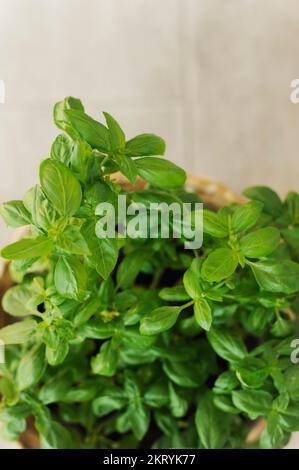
(214, 225)
(58, 354)
(61, 149)
(42, 213)
(97, 329)
(95, 133)
(226, 382)
(18, 333)
(107, 256)
(126, 166)
(31, 367)
(112, 400)
(105, 362)
(70, 277)
(203, 313)
(277, 277)
(186, 374)
(246, 216)
(227, 344)
(56, 387)
(219, 265)
(145, 144)
(60, 118)
(157, 395)
(210, 424)
(28, 248)
(72, 241)
(260, 243)
(252, 402)
(191, 280)
(104, 251)
(116, 134)
(15, 301)
(178, 404)
(282, 327)
(14, 214)
(292, 204)
(159, 320)
(292, 381)
(174, 294)
(61, 187)
(130, 267)
(137, 414)
(160, 173)
(252, 372)
(271, 201)
(139, 417)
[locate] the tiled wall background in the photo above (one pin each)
(211, 76)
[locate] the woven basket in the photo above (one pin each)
(214, 194)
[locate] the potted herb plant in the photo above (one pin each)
(117, 342)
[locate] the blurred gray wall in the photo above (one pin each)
(211, 76)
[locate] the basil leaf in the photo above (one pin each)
(61, 149)
(116, 134)
(42, 213)
(252, 372)
(28, 248)
(70, 277)
(227, 345)
(126, 166)
(58, 354)
(203, 313)
(219, 265)
(214, 225)
(18, 333)
(292, 381)
(15, 214)
(112, 400)
(105, 362)
(277, 277)
(252, 402)
(56, 387)
(107, 256)
(72, 241)
(160, 173)
(246, 216)
(192, 284)
(95, 133)
(15, 301)
(178, 405)
(145, 144)
(61, 119)
(60, 187)
(130, 267)
(210, 424)
(104, 251)
(260, 243)
(185, 374)
(97, 329)
(159, 320)
(271, 201)
(177, 293)
(157, 395)
(31, 367)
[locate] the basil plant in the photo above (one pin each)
(137, 342)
